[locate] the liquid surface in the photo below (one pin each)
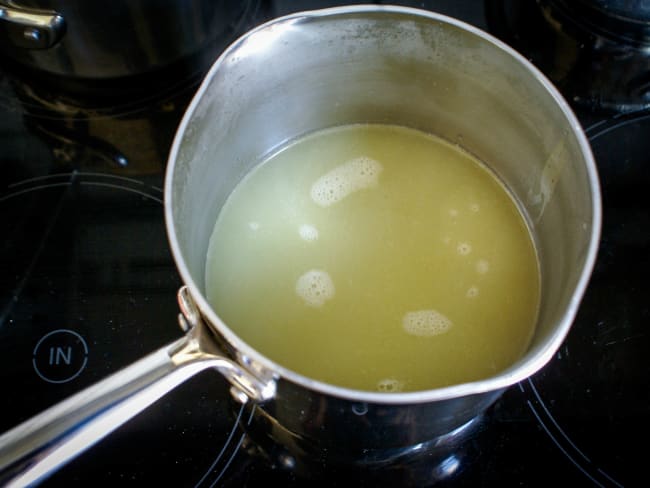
(377, 258)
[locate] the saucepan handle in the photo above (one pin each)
(44, 443)
(47, 441)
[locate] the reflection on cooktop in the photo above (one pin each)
(87, 284)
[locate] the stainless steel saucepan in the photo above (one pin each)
(317, 69)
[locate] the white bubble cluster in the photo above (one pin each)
(308, 232)
(474, 207)
(315, 287)
(390, 385)
(253, 225)
(354, 175)
(426, 323)
(472, 292)
(464, 248)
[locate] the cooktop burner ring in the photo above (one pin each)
(615, 338)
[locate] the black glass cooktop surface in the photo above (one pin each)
(88, 285)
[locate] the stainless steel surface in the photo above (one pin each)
(33, 449)
(331, 67)
(391, 65)
(129, 38)
(31, 28)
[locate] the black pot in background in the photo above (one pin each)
(87, 47)
(597, 52)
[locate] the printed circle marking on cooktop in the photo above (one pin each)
(88, 250)
(86, 253)
(60, 355)
(593, 399)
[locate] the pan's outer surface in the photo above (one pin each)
(302, 73)
(312, 70)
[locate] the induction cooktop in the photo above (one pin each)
(88, 284)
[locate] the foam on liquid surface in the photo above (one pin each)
(376, 257)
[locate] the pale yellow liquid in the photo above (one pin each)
(377, 258)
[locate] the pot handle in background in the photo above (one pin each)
(47, 441)
(30, 28)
